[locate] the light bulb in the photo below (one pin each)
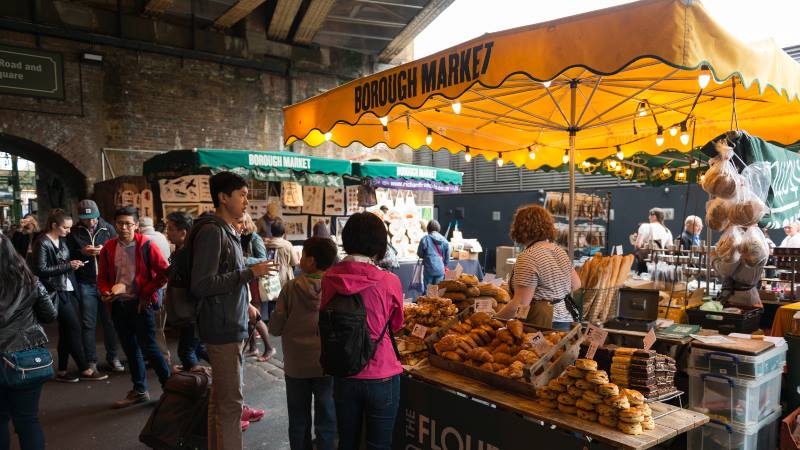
(546, 84)
(642, 108)
(702, 178)
(500, 161)
(704, 77)
(612, 164)
(628, 171)
(620, 155)
(467, 156)
(384, 120)
(694, 163)
(684, 134)
(585, 164)
(660, 137)
(673, 130)
(429, 137)
(565, 158)
(328, 136)
(531, 153)
(666, 172)
(456, 107)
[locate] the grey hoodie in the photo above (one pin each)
(219, 279)
(296, 318)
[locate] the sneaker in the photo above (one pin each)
(117, 366)
(67, 378)
(93, 366)
(245, 425)
(133, 398)
(94, 376)
(252, 414)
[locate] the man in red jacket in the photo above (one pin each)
(131, 269)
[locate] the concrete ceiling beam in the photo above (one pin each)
(282, 19)
(236, 13)
(417, 24)
(312, 21)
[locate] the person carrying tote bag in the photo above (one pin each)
(25, 362)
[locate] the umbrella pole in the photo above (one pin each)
(573, 87)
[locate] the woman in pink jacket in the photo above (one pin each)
(372, 396)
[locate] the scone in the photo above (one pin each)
(609, 421)
(608, 390)
(586, 364)
(606, 410)
(629, 428)
(547, 403)
(592, 397)
(555, 386)
(566, 380)
(597, 377)
(645, 409)
(632, 415)
(575, 391)
(583, 404)
(566, 399)
(585, 385)
(618, 401)
(635, 398)
(568, 409)
(587, 415)
(574, 372)
(648, 423)
(546, 393)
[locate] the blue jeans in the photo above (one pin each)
(91, 310)
(190, 348)
(562, 326)
(429, 280)
(137, 335)
(21, 406)
(373, 403)
(299, 392)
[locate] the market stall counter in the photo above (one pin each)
(441, 409)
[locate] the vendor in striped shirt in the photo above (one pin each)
(543, 275)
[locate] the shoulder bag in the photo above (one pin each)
(26, 367)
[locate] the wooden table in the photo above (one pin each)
(670, 420)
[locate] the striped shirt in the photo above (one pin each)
(548, 270)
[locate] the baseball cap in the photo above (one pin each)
(87, 209)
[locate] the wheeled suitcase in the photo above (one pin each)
(180, 419)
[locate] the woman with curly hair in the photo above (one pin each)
(543, 275)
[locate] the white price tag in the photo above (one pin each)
(539, 344)
(484, 306)
(591, 351)
(522, 312)
(433, 290)
(596, 335)
(650, 339)
(450, 275)
(489, 277)
(459, 270)
(419, 331)
(497, 282)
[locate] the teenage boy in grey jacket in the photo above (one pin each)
(219, 279)
(296, 318)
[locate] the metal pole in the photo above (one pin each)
(573, 88)
(16, 211)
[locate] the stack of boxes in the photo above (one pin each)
(644, 370)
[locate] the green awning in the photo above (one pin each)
(184, 162)
(387, 170)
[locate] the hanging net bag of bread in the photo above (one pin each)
(722, 179)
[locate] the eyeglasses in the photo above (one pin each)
(126, 224)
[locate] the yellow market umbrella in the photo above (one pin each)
(622, 79)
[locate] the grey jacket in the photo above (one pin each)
(295, 318)
(219, 279)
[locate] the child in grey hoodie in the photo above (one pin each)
(296, 319)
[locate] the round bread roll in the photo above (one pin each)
(546, 393)
(717, 214)
(728, 247)
(574, 372)
(586, 364)
(747, 212)
(547, 403)
(645, 409)
(597, 377)
(609, 421)
(555, 386)
(720, 181)
(753, 250)
(606, 410)
(592, 397)
(565, 380)
(566, 399)
(568, 409)
(635, 398)
(648, 423)
(583, 404)
(575, 391)
(608, 390)
(618, 401)
(629, 428)
(587, 415)
(584, 385)
(630, 415)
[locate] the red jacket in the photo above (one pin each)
(151, 268)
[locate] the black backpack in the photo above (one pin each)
(344, 336)
(180, 419)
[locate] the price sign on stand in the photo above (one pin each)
(489, 277)
(419, 331)
(596, 337)
(442, 291)
(522, 312)
(459, 270)
(650, 339)
(450, 274)
(433, 290)
(539, 344)
(484, 305)
(497, 282)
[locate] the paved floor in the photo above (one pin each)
(79, 416)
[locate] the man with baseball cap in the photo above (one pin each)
(86, 240)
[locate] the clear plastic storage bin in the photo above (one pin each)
(742, 402)
(734, 365)
(717, 435)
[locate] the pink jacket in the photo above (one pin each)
(382, 293)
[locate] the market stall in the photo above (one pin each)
(306, 189)
(589, 89)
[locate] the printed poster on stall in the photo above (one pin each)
(334, 202)
(324, 219)
(296, 227)
(352, 200)
(188, 189)
(292, 194)
(313, 199)
(257, 208)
